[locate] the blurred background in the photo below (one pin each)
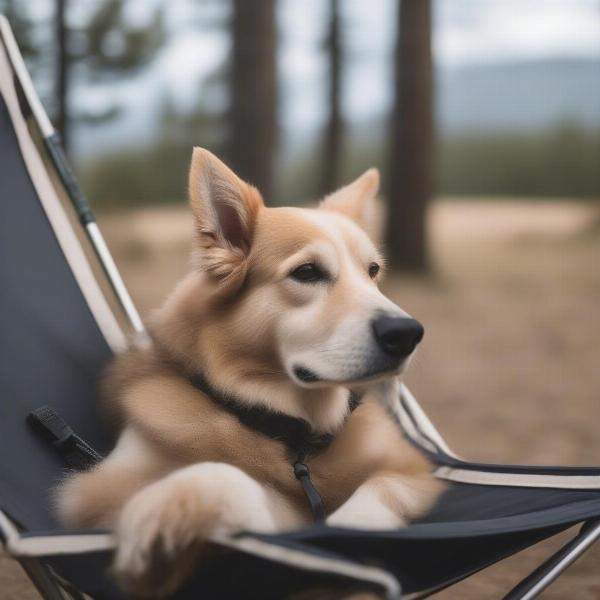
(484, 118)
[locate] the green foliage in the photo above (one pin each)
(127, 178)
(562, 161)
(153, 173)
(108, 43)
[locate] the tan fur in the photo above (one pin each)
(215, 253)
(184, 469)
(357, 202)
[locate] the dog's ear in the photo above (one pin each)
(358, 201)
(225, 210)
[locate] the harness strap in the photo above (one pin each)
(295, 433)
(79, 455)
(302, 474)
(76, 452)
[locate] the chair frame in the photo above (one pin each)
(51, 587)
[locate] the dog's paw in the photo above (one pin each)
(370, 507)
(367, 517)
(162, 530)
(160, 536)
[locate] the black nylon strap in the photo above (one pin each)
(297, 434)
(77, 453)
(302, 474)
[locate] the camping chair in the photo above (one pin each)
(64, 313)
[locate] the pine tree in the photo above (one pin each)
(254, 92)
(411, 156)
(334, 128)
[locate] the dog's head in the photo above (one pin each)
(293, 292)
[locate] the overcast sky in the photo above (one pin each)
(491, 30)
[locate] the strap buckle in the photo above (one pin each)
(47, 422)
(52, 427)
(301, 470)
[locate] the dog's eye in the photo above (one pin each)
(308, 273)
(373, 270)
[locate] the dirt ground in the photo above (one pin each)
(509, 368)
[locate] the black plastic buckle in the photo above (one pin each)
(301, 470)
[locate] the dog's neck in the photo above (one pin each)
(251, 380)
(325, 409)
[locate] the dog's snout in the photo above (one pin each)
(397, 336)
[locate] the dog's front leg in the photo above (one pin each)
(386, 501)
(161, 530)
(369, 507)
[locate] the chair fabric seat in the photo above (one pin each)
(471, 527)
(51, 350)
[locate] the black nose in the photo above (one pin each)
(397, 336)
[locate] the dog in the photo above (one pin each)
(280, 316)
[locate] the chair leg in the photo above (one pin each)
(40, 576)
(549, 570)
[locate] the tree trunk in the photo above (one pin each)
(411, 168)
(332, 147)
(62, 72)
(254, 92)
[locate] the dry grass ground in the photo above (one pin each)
(509, 366)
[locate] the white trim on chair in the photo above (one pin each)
(423, 422)
(533, 480)
(23, 76)
(312, 562)
(53, 544)
(70, 245)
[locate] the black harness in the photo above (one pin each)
(295, 433)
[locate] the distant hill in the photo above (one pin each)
(526, 95)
